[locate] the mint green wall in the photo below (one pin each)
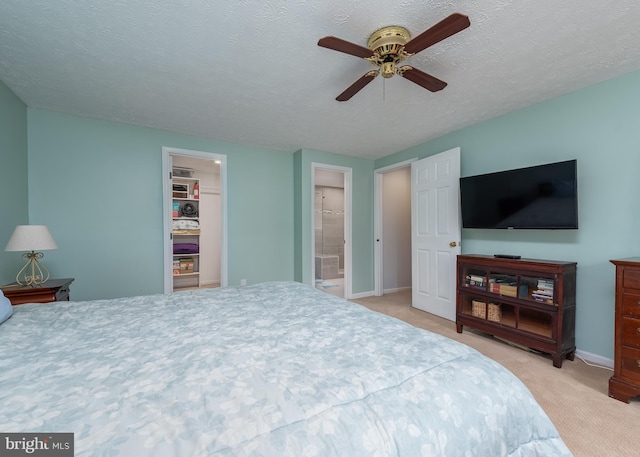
(362, 214)
(98, 186)
(297, 216)
(13, 178)
(599, 127)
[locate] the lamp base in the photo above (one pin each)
(33, 273)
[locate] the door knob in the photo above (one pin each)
(453, 244)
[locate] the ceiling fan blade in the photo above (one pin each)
(338, 44)
(357, 86)
(443, 29)
(422, 79)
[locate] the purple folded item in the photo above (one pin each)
(186, 248)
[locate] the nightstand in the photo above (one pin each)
(52, 290)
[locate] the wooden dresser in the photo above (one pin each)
(625, 382)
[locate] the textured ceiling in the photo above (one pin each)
(250, 72)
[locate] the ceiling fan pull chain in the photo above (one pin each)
(384, 88)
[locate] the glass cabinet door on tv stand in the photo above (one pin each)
(526, 301)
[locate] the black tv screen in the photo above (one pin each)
(539, 197)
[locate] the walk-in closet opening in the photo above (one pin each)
(194, 221)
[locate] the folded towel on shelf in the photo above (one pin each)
(186, 248)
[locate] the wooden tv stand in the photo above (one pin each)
(526, 301)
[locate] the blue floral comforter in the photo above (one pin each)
(274, 369)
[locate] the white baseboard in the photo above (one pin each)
(363, 294)
(397, 289)
(595, 359)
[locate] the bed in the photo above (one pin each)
(272, 369)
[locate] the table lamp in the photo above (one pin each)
(31, 238)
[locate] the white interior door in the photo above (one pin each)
(435, 232)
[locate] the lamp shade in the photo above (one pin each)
(31, 238)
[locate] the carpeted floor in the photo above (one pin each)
(574, 397)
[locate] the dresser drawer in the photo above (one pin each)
(630, 358)
(631, 332)
(631, 278)
(631, 305)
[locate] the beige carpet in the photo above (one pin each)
(574, 397)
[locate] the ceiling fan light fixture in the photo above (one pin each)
(388, 40)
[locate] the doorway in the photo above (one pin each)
(435, 231)
(392, 216)
(331, 229)
(194, 215)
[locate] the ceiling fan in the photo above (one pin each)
(389, 46)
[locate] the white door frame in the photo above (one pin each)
(347, 222)
(378, 217)
(166, 210)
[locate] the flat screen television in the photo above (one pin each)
(539, 197)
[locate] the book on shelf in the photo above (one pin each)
(475, 280)
(504, 289)
(544, 292)
(542, 298)
(545, 284)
